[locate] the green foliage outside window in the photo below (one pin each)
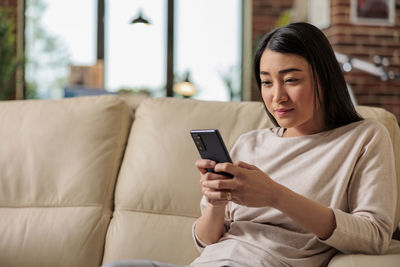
(47, 58)
(8, 60)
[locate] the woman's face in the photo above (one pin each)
(287, 90)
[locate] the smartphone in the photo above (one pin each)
(210, 145)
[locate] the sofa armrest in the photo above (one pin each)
(390, 259)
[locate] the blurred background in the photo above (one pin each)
(201, 49)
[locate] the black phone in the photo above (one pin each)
(210, 145)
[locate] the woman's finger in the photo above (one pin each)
(246, 165)
(218, 195)
(210, 176)
(225, 184)
(204, 164)
(227, 167)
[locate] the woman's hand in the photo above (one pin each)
(214, 197)
(250, 186)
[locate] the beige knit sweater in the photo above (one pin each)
(350, 169)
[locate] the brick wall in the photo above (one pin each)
(365, 42)
(360, 41)
(11, 5)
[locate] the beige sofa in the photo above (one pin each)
(80, 185)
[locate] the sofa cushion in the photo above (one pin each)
(391, 259)
(59, 161)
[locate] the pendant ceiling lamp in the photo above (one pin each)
(140, 19)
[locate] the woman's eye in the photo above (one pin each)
(291, 80)
(266, 83)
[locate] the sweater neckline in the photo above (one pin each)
(279, 131)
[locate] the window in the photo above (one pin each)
(135, 57)
(58, 33)
(208, 46)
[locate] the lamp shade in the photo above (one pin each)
(185, 89)
(140, 19)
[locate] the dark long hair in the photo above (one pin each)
(309, 42)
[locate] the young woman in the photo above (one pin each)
(319, 182)
(322, 180)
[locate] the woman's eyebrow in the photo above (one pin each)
(281, 71)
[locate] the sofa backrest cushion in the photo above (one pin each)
(158, 193)
(59, 160)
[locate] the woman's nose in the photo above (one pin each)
(280, 94)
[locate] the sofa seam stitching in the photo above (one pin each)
(8, 206)
(154, 212)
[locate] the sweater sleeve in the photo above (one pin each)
(371, 193)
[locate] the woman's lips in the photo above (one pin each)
(283, 111)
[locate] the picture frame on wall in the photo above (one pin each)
(373, 12)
